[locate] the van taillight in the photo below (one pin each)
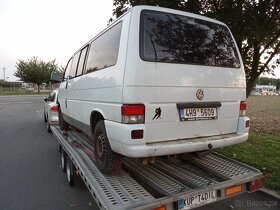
(133, 113)
(54, 108)
(243, 107)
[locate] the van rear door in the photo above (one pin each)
(188, 73)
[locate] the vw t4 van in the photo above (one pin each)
(156, 82)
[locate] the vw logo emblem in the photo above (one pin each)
(200, 94)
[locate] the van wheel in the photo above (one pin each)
(106, 160)
(63, 125)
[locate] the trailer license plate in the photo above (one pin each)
(189, 114)
(197, 200)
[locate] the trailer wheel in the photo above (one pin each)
(48, 127)
(63, 160)
(69, 171)
(45, 118)
(105, 158)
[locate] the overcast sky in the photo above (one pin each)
(49, 29)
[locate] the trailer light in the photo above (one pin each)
(233, 190)
(137, 134)
(54, 108)
(133, 113)
(160, 208)
(242, 109)
(254, 185)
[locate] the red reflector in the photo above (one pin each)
(133, 109)
(243, 105)
(254, 185)
(137, 134)
(54, 108)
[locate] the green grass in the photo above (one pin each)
(262, 152)
(15, 93)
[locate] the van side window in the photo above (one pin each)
(67, 70)
(74, 65)
(82, 61)
(104, 50)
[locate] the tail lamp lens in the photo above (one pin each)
(243, 107)
(134, 113)
(54, 108)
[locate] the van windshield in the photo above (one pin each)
(166, 37)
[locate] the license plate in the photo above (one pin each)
(197, 200)
(189, 114)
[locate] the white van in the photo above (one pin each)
(156, 82)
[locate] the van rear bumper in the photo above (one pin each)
(120, 142)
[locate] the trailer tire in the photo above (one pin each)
(69, 171)
(45, 118)
(49, 127)
(105, 158)
(63, 125)
(63, 160)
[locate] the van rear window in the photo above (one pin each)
(166, 37)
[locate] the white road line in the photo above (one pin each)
(5, 103)
(25, 102)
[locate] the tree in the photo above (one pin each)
(35, 71)
(254, 24)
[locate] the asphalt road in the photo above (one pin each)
(30, 170)
(31, 175)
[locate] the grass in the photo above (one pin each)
(262, 152)
(262, 149)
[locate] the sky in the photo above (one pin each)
(49, 29)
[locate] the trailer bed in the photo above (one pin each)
(184, 182)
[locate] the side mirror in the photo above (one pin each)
(55, 77)
(46, 99)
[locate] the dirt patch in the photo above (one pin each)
(264, 113)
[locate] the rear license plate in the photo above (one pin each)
(188, 114)
(197, 200)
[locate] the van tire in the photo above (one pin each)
(63, 125)
(105, 158)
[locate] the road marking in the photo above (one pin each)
(5, 103)
(25, 102)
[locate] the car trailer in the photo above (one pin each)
(169, 183)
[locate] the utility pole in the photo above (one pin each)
(4, 69)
